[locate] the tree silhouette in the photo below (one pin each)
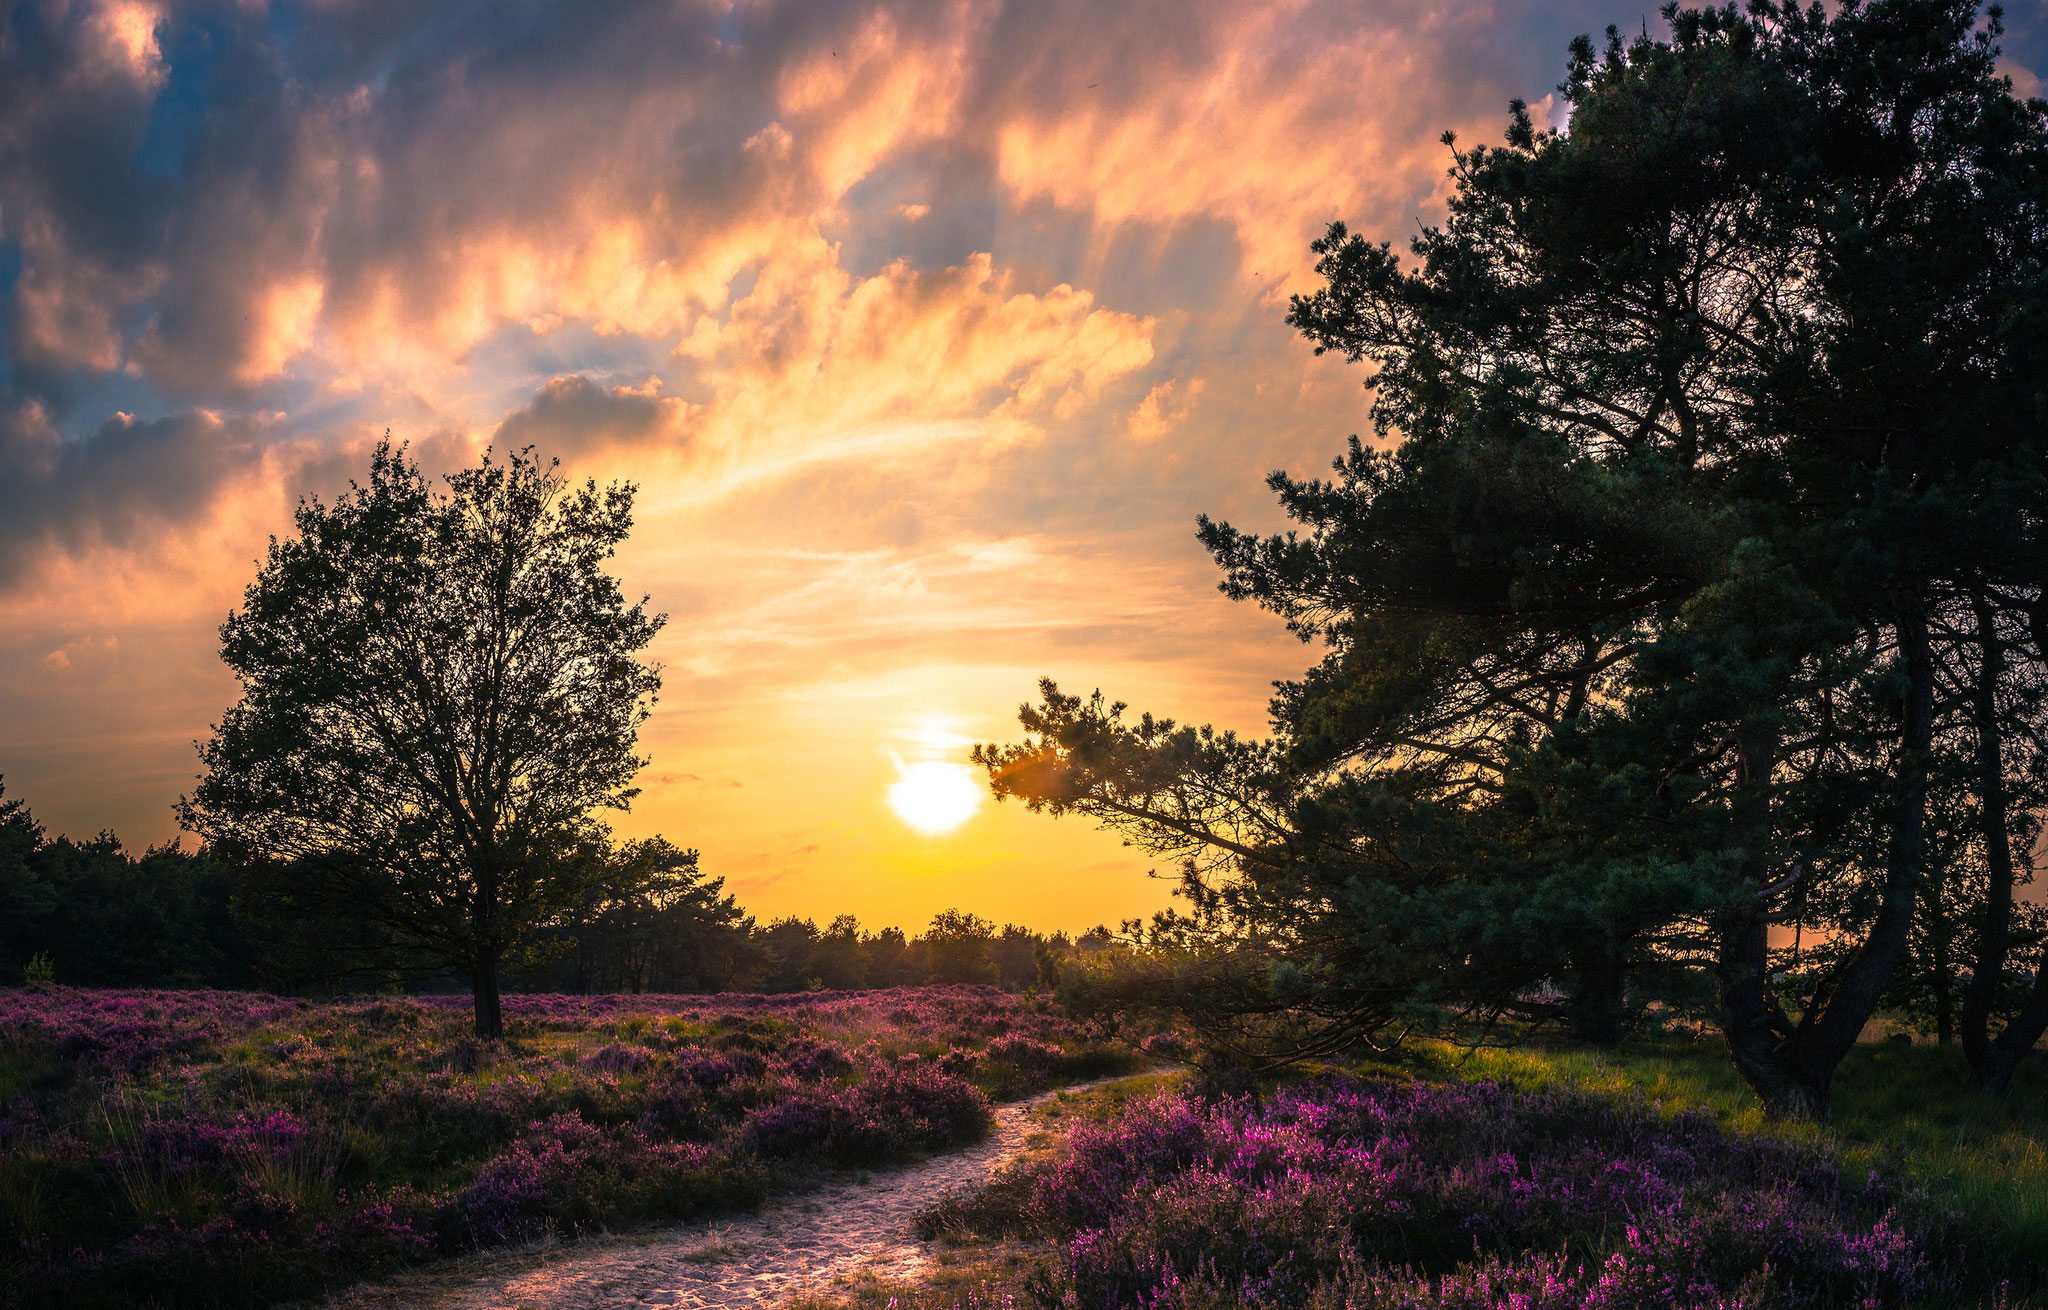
(439, 687)
(957, 944)
(1710, 421)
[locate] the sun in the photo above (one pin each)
(934, 796)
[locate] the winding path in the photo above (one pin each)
(804, 1241)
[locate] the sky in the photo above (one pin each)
(925, 330)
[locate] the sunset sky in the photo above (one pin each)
(926, 330)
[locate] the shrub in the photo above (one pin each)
(898, 1109)
(1387, 1194)
(146, 1154)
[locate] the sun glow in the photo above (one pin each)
(934, 796)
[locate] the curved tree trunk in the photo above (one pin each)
(1791, 1065)
(1993, 1059)
(1761, 1039)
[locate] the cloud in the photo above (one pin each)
(926, 327)
(573, 415)
(122, 485)
(1274, 119)
(219, 207)
(394, 184)
(814, 365)
(1164, 408)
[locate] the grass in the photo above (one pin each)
(1103, 1102)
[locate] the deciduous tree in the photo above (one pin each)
(440, 687)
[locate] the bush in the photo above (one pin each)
(1382, 1193)
(146, 1154)
(895, 1111)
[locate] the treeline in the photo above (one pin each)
(113, 918)
(95, 914)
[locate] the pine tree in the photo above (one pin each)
(1697, 420)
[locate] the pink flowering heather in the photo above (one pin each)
(213, 1148)
(1380, 1193)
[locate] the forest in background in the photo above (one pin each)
(95, 914)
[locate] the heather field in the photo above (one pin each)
(1396, 1193)
(221, 1148)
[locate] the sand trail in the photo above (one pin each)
(804, 1241)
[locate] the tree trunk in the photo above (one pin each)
(1597, 1009)
(1762, 1042)
(1994, 939)
(2003, 1053)
(1830, 1028)
(1992, 1060)
(1789, 1065)
(490, 1022)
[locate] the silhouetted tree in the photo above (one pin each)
(1707, 416)
(839, 958)
(1015, 954)
(957, 948)
(439, 687)
(106, 918)
(786, 953)
(889, 963)
(652, 922)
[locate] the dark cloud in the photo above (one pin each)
(208, 191)
(204, 190)
(121, 486)
(573, 415)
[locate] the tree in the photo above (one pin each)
(786, 948)
(957, 946)
(1015, 953)
(888, 960)
(651, 922)
(1705, 417)
(103, 917)
(839, 958)
(2004, 727)
(439, 688)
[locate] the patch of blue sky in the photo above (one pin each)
(90, 401)
(178, 117)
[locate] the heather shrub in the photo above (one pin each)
(1383, 1193)
(211, 1148)
(897, 1109)
(1165, 1046)
(567, 1176)
(1024, 1052)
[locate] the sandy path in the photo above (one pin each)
(805, 1241)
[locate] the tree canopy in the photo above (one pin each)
(440, 687)
(1692, 586)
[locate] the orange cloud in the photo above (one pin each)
(1164, 408)
(926, 326)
